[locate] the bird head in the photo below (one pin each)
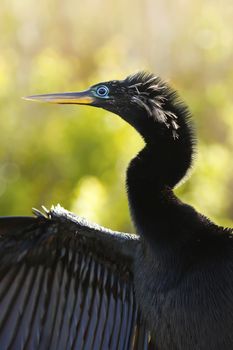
(142, 99)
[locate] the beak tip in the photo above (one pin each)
(26, 98)
(36, 98)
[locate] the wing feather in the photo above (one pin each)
(62, 288)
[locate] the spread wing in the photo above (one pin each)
(66, 284)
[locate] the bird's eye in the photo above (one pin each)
(102, 91)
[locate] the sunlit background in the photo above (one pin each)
(77, 156)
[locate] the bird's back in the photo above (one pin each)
(186, 292)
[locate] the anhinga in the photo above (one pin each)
(67, 284)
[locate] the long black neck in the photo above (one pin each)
(154, 172)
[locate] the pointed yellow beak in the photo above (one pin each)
(81, 98)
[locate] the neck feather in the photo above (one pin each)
(157, 169)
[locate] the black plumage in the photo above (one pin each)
(67, 284)
(171, 286)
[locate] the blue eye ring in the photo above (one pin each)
(102, 91)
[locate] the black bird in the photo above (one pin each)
(67, 284)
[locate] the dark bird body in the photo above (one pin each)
(169, 288)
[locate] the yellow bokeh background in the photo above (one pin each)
(77, 156)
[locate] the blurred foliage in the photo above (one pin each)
(77, 155)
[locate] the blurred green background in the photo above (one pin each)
(77, 156)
